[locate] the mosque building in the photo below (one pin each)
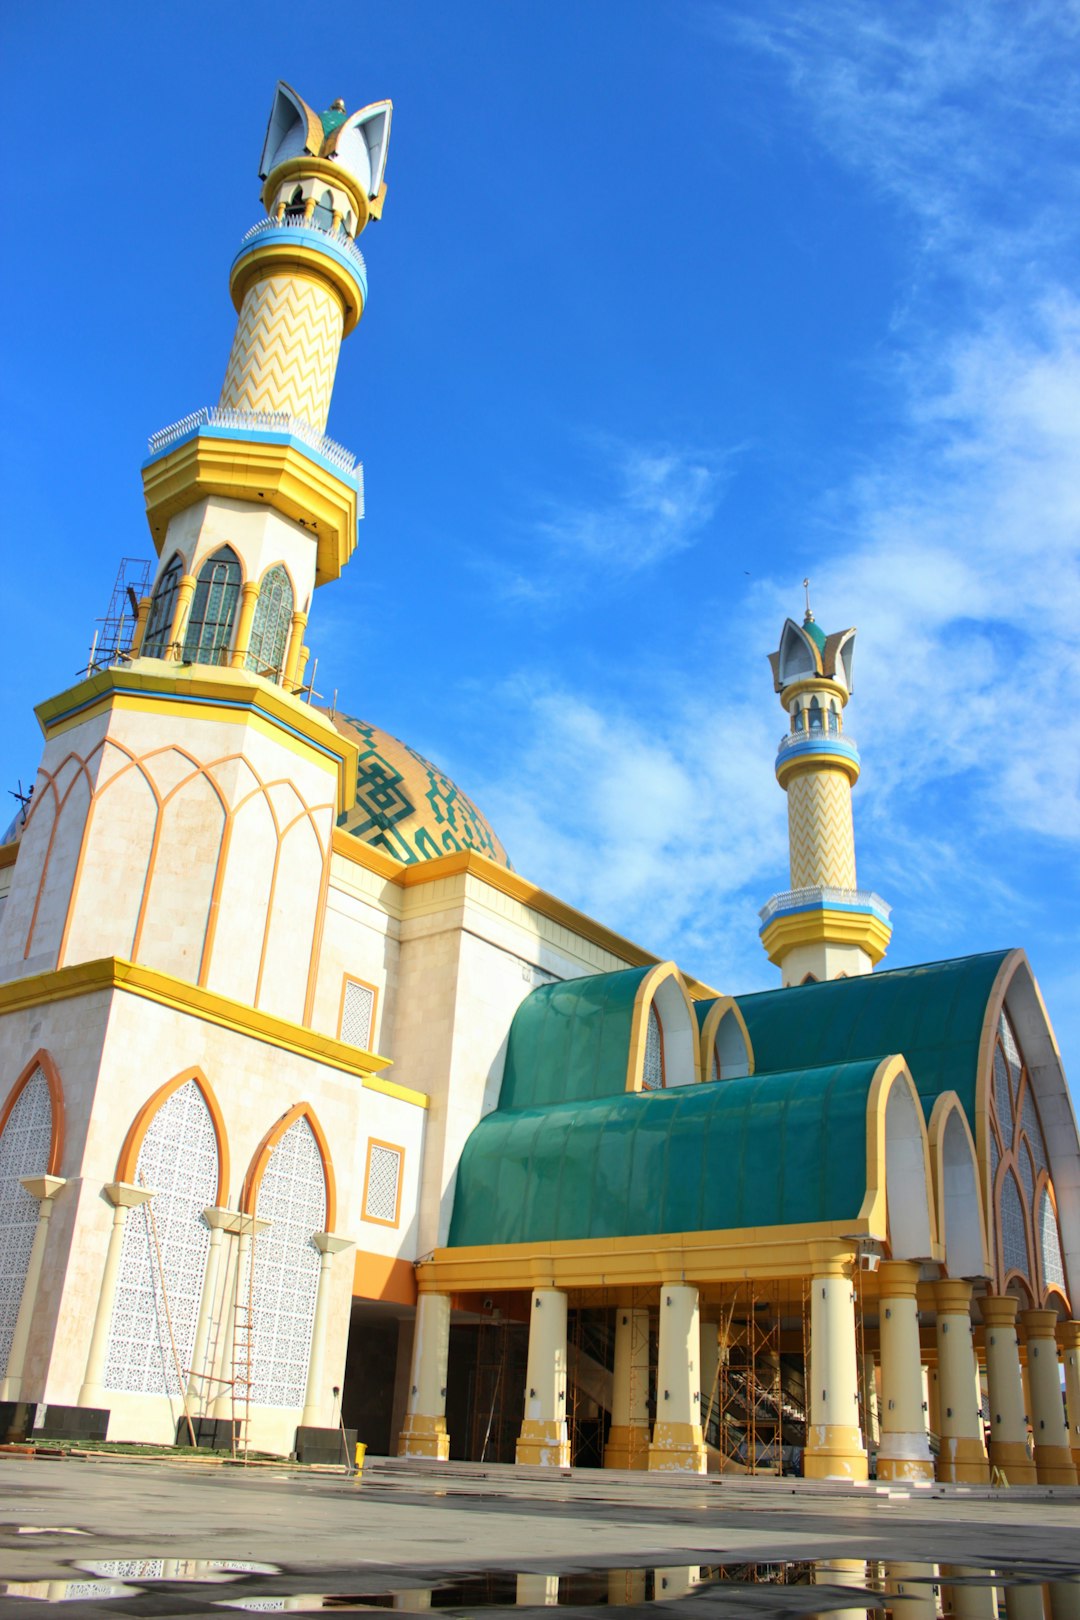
(314, 1111)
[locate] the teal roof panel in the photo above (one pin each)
(571, 1041)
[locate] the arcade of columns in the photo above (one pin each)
(926, 1382)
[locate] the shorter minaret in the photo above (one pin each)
(824, 927)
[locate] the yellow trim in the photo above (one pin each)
(498, 877)
(874, 1212)
(948, 1103)
(113, 973)
(713, 1019)
(815, 684)
(639, 1025)
(271, 709)
(296, 259)
(307, 168)
(276, 474)
(800, 764)
(9, 854)
(825, 927)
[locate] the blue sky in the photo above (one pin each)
(672, 305)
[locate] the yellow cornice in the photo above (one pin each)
(814, 683)
(824, 926)
(9, 854)
(322, 169)
(114, 973)
(800, 764)
(232, 695)
(699, 1257)
(255, 470)
(468, 862)
(291, 256)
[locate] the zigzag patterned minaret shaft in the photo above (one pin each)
(285, 352)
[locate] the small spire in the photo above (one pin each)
(337, 106)
(809, 616)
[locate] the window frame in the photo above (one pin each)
(364, 984)
(389, 1147)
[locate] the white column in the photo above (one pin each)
(314, 1403)
(834, 1448)
(903, 1450)
(216, 1220)
(710, 1367)
(424, 1434)
(537, 1591)
(677, 1442)
(543, 1441)
(1053, 1455)
(236, 1391)
(962, 1454)
(977, 1601)
(1069, 1339)
(628, 1438)
(914, 1583)
(123, 1196)
(44, 1189)
(1008, 1422)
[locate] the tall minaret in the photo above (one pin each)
(824, 927)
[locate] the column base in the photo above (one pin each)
(627, 1446)
(1011, 1456)
(1054, 1465)
(835, 1452)
(962, 1461)
(678, 1448)
(424, 1436)
(543, 1443)
(904, 1456)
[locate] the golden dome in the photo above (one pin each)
(406, 806)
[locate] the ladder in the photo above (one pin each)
(243, 1343)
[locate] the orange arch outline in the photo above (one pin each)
(42, 1060)
(128, 1160)
(249, 1193)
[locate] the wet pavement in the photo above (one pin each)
(120, 1538)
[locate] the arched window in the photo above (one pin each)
(324, 212)
(213, 608)
(1053, 1267)
(1013, 1228)
(294, 209)
(163, 1258)
(815, 715)
(270, 626)
(25, 1148)
(652, 1076)
(159, 622)
(797, 719)
(834, 719)
(292, 1196)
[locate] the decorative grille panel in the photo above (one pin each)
(1012, 1050)
(714, 1071)
(24, 1151)
(1053, 1267)
(652, 1078)
(178, 1161)
(1013, 1229)
(383, 1183)
(292, 1195)
(1002, 1098)
(271, 624)
(1027, 1173)
(1030, 1121)
(356, 1014)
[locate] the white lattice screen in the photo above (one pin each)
(24, 1151)
(1053, 1267)
(383, 1183)
(652, 1078)
(292, 1196)
(178, 1161)
(357, 1010)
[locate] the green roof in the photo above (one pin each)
(760, 1151)
(814, 631)
(571, 1041)
(933, 1014)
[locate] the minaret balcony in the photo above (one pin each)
(823, 916)
(282, 245)
(821, 897)
(799, 750)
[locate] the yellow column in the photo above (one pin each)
(314, 1413)
(868, 1391)
(44, 1189)
(677, 1442)
(977, 1601)
(1069, 1339)
(181, 608)
(931, 1394)
(834, 1447)
(249, 597)
(1025, 1602)
(1008, 1424)
(140, 626)
(543, 1440)
(216, 1220)
(628, 1438)
(123, 1196)
(424, 1434)
(292, 650)
(914, 1583)
(673, 1581)
(962, 1456)
(710, 1366)
(844, 1572)
(903, 1450)
(1053, 1455)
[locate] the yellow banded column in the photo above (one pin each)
(965, 1594)
(123, 1196)
(1053, 1456)
(249, 598)
(181, 608)
(1069, 1339)
(44, 1189)
(834, 1446)
(903, 1449)
(962, 1456)
(140, 626)
(292, 650)
(543, 1441)
(677, 1441)
(424, 1434)
(1008, 1424)
(628, 1438)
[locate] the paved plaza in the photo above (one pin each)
(117, 1537)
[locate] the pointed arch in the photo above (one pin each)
(128, 1159)
(681, 1048)
(159, 620)
(42, 1060)
(899, 1201)
(725, 1042)
(249, 1194)
(798, 656)
(954, 1164)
